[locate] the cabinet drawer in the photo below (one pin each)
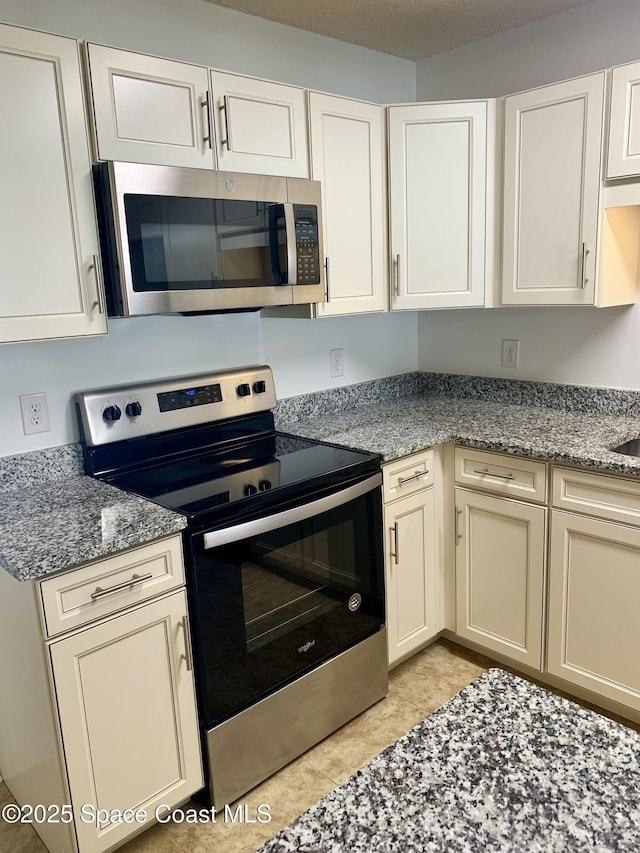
(612, 498)
(501, 473)
(105, 586)
(407, 475)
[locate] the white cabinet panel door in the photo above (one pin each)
(438, 197)
(150, 110)
(261, 127)
(624, 122)
(410, 561)
(347, 157)
(49, 264)
(500, 548)
(553, 144)
(128, 717)
(594, 590)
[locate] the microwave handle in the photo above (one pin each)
(237, 532)
(292, 248)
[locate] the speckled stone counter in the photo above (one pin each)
(61, 523)
(404, 425)
(504, 766)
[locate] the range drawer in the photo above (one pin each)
(501, 473)
(407, 475)
(79, 596)
(613, 498)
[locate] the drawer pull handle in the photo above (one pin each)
(186, 657)
(494, 474)
(395, 554)
(458, 514)
(135, 579)
(416, 476)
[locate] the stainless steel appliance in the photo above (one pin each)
(284, 557)
(191, 240)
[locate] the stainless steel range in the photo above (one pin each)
(284, 560)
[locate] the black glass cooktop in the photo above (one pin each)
(215, 485)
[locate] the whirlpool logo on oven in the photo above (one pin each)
(306, 647)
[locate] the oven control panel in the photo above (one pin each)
(185, 397)
(131, 411)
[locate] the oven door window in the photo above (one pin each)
(199, 244)
(272, 606)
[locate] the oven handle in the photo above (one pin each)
(237, 532)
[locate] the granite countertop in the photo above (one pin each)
(52, 517)
(503, 766)
(65, 522)
(405, 425)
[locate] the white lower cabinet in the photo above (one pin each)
(128, 720)
(411, 577)
(594, 590)
(103, 717)
(500, 555)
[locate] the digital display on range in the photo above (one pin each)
(185, 398)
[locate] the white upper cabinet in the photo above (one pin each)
(347, 157)
(260, 126)
(552, 158)
(149, 110)
(438, 178)
(49, 264)
(624, 122)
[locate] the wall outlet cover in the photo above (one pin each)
(35, 413)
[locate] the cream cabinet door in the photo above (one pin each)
(150, 110)
(594, 590)
(410, 566)
(552, 154)
(261, 127)
(500, 548)
(128, 719)
(624, 122)
(49, 264)
(347, 157)
(438, 198)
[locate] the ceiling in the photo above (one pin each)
(413, 29)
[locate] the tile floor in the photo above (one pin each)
(416, 688)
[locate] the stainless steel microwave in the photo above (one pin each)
(189, 240)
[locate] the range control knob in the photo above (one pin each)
(259, 387)
(248, 490)
(133, 409)
(112, 413)
(244, 390)
(264, 485)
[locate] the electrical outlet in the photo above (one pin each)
(336, 362)
(35, 413)
(510, 352)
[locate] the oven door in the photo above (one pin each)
(274, 596)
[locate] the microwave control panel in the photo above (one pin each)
(307, 247)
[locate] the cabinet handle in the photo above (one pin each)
(416, 476)
(458, 514)
(204, 104)
(582, 279)
(327, 291)
(494, 474)
(396, 265)
(224, 109)
(186, 657)
(135, 579)
(99, 303)
(395, 552)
